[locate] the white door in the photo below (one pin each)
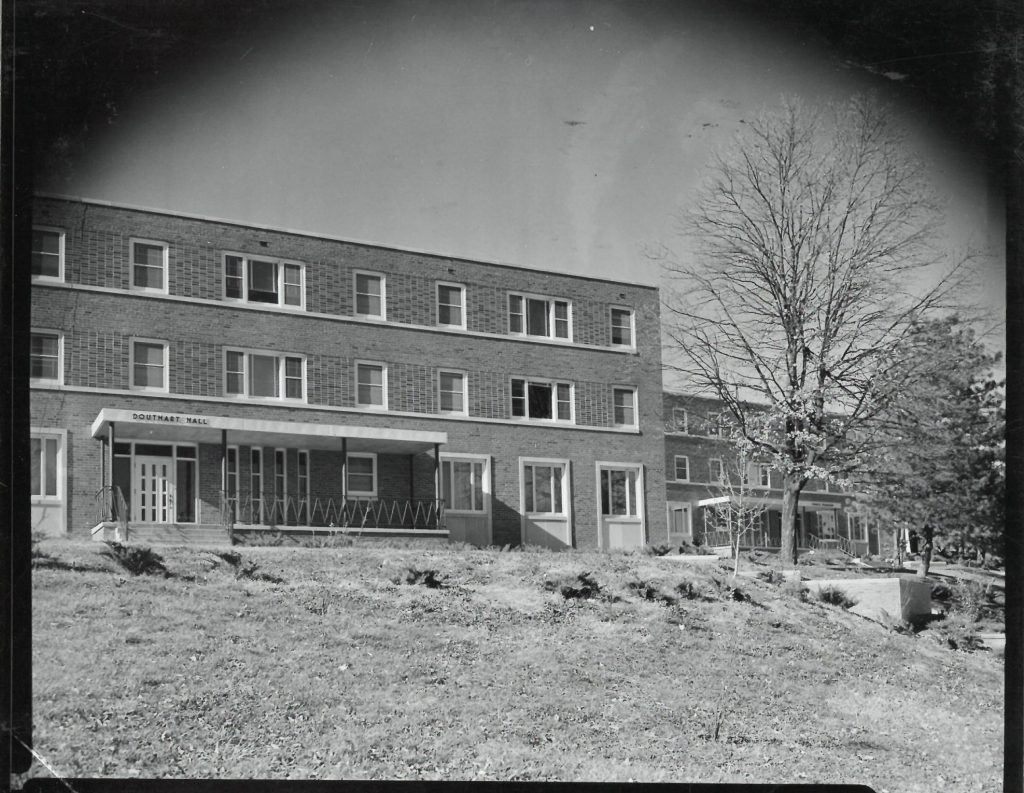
(679, 530)
(153, 490)
(546, 502)
(620, 491)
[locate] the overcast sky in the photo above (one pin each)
(557, 135)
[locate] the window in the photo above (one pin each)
(624, 402)
(539, 316)
(264, 375)
(713, 425)
(858, 528)
(451, 305)
(231, 484)
(302, 480)
(46, 353)
(362, 474)
(541, 399)
(48, 253)
(619, 492)
(256, 484)
(680, 420)
(452, 392)
(682, 465)
(622, 327)
(148, 365)
(715, 472)
(258, 280)
(149, 266)
(371, 384)
(370, 296)
(464, 484)
(45, 466)
(544, 487)
(764, 475)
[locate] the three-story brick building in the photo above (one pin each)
(195, 376)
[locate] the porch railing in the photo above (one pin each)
(330, 512)
(111, 507)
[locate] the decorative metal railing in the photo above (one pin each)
(111, 507)
(329, 512)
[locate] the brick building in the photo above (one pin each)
(192, 376)
(698, 456)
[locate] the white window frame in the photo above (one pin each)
(384, 385)
(42, 435)
(551, 301)
(61, 234)
(632, 327)
(764, 475)
(382, 317)
(59, 379)
(462, 292)
(303, 505)
(862, 523)
(713, 425)
(257, 484)
(165, 248)
(465, 392)
(279, 265)
(632, 390)
(348, 473)
(636, 498)
(281, 374)
(163, 389)
(675, 467)
(546, 462)
(231, 471)
(554, 399)
(485, 483)
(712, 479)
(683, 427)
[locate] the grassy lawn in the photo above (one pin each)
(315, 663)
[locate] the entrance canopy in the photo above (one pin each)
(204, 428)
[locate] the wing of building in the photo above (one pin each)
(194, 378)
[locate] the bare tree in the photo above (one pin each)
(741, 509)
(816, 254)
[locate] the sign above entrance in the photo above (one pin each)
(153, 425)
(171, 418)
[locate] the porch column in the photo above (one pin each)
(437, 472)
(110, 468)
(344, 481)
(224, 504)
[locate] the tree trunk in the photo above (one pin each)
(790, 497)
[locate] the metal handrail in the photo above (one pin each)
(329, 512)
(112, 507)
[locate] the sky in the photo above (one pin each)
(566, 136)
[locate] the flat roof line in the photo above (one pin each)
(350, 241)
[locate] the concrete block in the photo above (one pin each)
(878, 598)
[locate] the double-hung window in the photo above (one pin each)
(533, 315)
(46, 356)
(264, 375)
(371, 384)
(464, 484)
(682, 466)
(148, 365)
(451, 395)
(622, 327)
(149, 265)
(370, 295)
(542, 399)
(45, 466)
(716, 474)
(451, 305)
(764, 475)
(264, 280)
(624, 407)
(680, 420)
(362, 475)
(47, 253)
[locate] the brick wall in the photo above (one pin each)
(98, 325)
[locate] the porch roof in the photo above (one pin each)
(147, 425)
